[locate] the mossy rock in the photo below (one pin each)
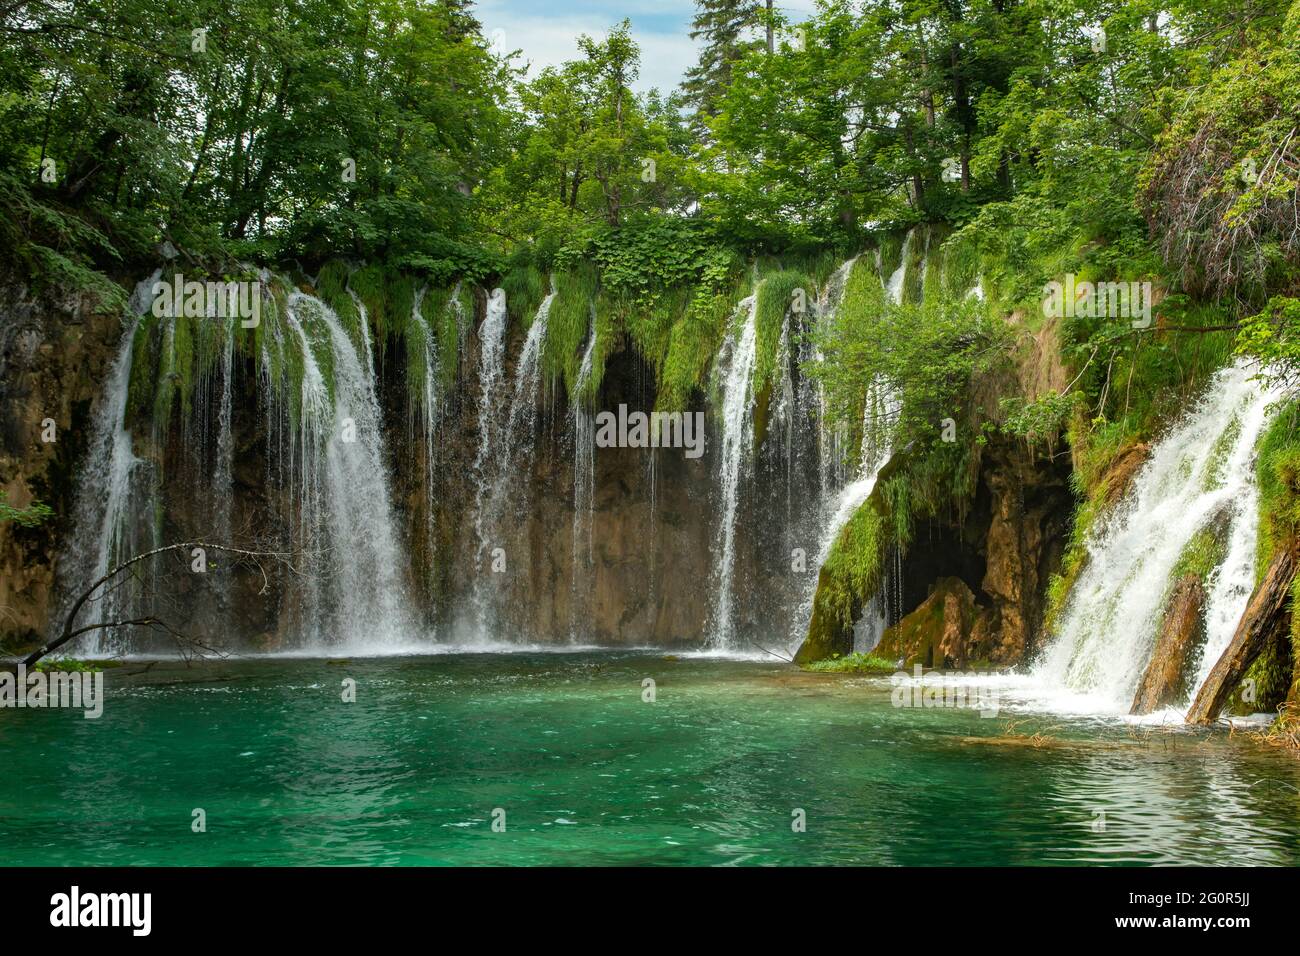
(936, 634)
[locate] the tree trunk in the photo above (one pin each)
(1266, 612)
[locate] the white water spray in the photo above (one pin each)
(1200, 472)
(736, 370)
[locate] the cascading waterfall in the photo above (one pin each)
(492, 341)
(830, 436)
(116, 487)
(841, 503)
(425, 413)
(584, 489)
(505, 456)
(894, 287)
(522, 418)
(1200, 474)
(223, 482)
(344, 494)
(736, 369)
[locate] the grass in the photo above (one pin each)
(1277, 469)
(568, 325)
(525, 288)
(693, 342)
(852, 664)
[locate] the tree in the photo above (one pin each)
(723, 25)
(589, 149)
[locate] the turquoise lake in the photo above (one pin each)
(714, 771)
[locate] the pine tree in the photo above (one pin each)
(723, 25)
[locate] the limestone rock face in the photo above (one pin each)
(648, 577)
(54, 355)
(1028, 515)
(1183, 630)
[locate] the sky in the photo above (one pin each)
(547, 30)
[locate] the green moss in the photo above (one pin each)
(777, 294)
(692, 344)
(332, 289)
(961, 266)
(525, 287)
(1268, 679)
(891, 253)
(914, 276)
(852, 664)
(650, 325)
(1277, 470)
(569, 325)
(608, 320)
(370, 283)
(1202, 555)
(931, 280)
(420, 351)
(165, 391)
(143, 383)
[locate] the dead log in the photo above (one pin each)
(1266, 612)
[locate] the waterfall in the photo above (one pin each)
(223, 482)
(427, 412)
(841, 499)
(506, 448)
(344, 495)
(735, 370)
(522, 418)
(881, 406)
(114, 487)
(1200, 473)
(830, 437)
(584, 489)
(894, 287)
(491, 340)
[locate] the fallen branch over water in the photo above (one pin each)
(71, 631)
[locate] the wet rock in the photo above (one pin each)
(1165, 680)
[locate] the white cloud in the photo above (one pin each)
(660, 27)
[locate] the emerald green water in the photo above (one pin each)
(588, 773)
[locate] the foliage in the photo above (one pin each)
(1277, 468)
(33, 515)
(852, 664)
(330, 127)
(1272, 338)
